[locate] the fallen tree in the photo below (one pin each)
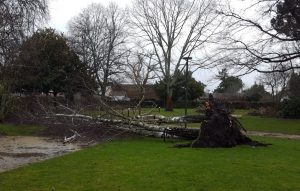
(218, 127)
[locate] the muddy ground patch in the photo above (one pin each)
(16, 151)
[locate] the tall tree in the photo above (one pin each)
(294, 85)
(18, 20)
(287, 19)
(195, 88)
(276, 82)
(229, 84)
(174, 29)
(255, 92)
(46, 63)
(98, 34)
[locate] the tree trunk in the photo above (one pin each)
(104, 85)
(169, 103)
(169, 100)
(103, 90)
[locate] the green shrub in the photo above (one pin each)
(290, 108)
(7, 102)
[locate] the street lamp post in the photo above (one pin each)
(186, 83)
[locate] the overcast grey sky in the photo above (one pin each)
(61, 11)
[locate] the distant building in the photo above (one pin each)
(228, 96)
(127, 92)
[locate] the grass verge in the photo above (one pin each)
(277, 125)
(151, 164)
(19, 130)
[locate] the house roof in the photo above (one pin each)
(119, 93)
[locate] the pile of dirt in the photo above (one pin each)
(89, 132)
(95, 133)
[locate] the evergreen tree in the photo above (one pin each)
(255, 92)
(46, 63)
(229, 84)
(194, 87)
(287, 19)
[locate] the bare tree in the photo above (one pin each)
(261, 37)
(99, 34)
(18, 20)
(141, 68)
(174, 29)
(276, 82)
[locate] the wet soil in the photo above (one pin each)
(16, 151)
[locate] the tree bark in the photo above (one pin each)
(169, 103)
(169, 100)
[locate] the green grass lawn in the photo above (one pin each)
(152, 111)
(275, 125)
(278, 125)
(266, 124)
(19, 130)
(175, 112)
(151, 164)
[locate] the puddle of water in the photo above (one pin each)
(16, 151)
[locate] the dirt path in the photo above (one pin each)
(277, 135)
(16, 151)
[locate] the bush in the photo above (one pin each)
(7, 102)
(264, 111)
(290, 108)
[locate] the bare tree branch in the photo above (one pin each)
(99, 36)
(175, 29)
(253, 44)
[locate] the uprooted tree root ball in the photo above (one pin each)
(220, 129)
